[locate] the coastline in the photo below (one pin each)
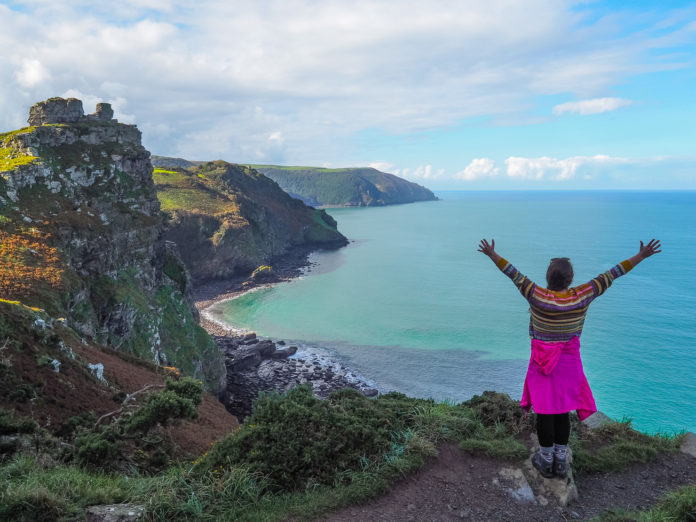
(256, 364)
(287, 267)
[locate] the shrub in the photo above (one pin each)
(158, 409)
(187, 388)
(102, 447)
(98, 450)
(494, 409)
(10, 424)
(296, 439)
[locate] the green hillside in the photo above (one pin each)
(230, 219)
(348, 187)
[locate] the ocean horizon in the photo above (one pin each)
(411, 305)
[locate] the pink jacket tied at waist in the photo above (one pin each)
(555, 381)
(546, 354)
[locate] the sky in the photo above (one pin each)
(451, 94)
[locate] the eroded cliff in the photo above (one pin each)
(82, 237)
(229, 219)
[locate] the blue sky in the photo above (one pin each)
(500, 94)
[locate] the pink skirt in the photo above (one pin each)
(556, 382)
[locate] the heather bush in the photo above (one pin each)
(297, 440)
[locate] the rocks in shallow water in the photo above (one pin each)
(286, 352)
(262, 367)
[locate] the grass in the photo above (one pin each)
(238, 478)
(9, 160)
(615, 446)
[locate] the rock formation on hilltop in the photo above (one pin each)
(83, 237)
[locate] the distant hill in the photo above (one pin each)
(228, 219)
(167, 162)
(348, 187)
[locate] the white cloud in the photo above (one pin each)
(545, 168)
(383, 166)
(477, 169)
(277, 137)
(319, 71)
(420, 173)
(31, 73)
(593, 106)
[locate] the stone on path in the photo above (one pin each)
(557, 490)
(515, 484)
(114, 513)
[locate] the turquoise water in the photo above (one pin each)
(411, 304)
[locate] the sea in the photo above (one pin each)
(411, 306)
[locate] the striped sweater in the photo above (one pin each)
(559, 316)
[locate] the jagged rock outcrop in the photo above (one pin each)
(77, 191)
(229, 219)
(258, 365)
(56, 110)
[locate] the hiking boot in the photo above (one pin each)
(560, 468)
(544, 467)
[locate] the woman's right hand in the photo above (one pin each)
(488, 248)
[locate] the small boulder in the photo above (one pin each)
(560, 491)
(264, 274)
(514, 483)
(265, 347)
(596, 420)
(285, 352)
(689, 444)
(114, 513)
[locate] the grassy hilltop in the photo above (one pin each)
(345, 187)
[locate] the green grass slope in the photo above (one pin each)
(298, 457)
(349, 187)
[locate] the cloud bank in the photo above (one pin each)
(296, 81)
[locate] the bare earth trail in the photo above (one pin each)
(460, 486)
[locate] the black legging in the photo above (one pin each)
(554, 428)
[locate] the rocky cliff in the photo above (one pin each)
(82, 237)
(229, 219)
(347, 187)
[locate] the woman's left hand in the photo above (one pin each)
(652, 248)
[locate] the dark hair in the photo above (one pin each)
(560, 274)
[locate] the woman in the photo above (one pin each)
(555, 382)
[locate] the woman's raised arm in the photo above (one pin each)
(522, 282)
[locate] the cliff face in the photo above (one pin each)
(230, 219)
(348, 187)
(83, 237)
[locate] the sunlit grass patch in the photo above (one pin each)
(616, 445)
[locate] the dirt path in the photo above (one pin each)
(461, 486)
